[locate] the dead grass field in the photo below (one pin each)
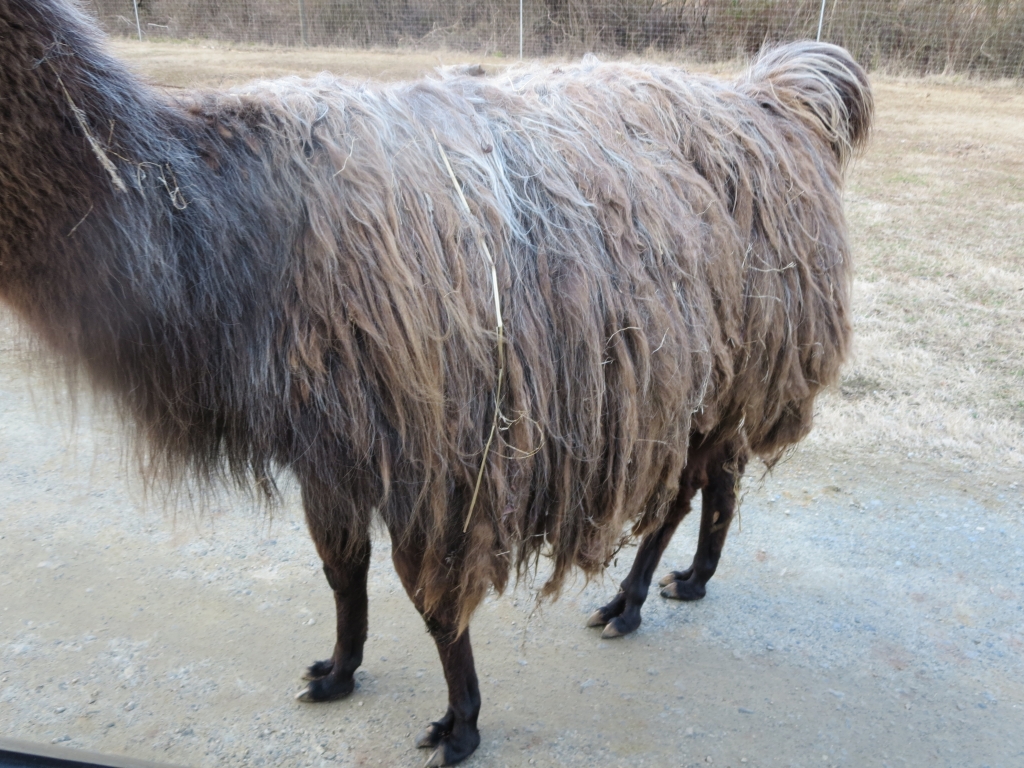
(937, 213)
(183, 65)
(936, 209)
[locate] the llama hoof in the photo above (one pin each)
(431, 736)
(684, 590)
(318, 669)
(436, 731)
(619, 626)
(606, 613)
(326, 689)
(451, 740)
(453, 750)
(668, 578)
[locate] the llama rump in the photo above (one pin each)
(507, 316)
(743, 169)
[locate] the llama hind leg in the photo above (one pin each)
(718, 504)
(622, 615)
(455, 736)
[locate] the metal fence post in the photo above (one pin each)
(302, 22)
(138, 24)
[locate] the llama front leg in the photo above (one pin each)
(718, 504)
(455, 736)
(622, 615)
(334, 678)
(346, 558)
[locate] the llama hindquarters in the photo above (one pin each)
(715, 471)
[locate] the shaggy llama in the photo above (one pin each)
(496, 313)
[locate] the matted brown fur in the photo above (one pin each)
(289, 279)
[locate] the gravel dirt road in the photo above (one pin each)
(868, 612)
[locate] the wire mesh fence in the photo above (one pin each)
(983, 37)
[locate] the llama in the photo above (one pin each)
(495, 313)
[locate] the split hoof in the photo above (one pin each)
(684, 590)
(610, 631)
(452, 750)
(437, 757)
(432, 735)
(606, 613)
(325, 689)
(619, 627)
(451, 740)
(668, 578)
(318, 669)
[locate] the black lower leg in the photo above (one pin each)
(455, 736)
(346, 557)
(334, 678)
(622, 615)
(718, 504)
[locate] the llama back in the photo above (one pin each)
(772, 149)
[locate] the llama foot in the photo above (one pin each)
(436, 731)
(676, 576)
(690, 588)
(618, 618)
(603, 615)
(325, 684)
(451, 740)
(454, 748)
(622, 625)
(318, 669)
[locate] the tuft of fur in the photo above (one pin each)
(288, 279)
(820, 82)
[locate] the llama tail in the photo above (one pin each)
(821, 83)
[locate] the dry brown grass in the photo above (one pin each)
(937, 213)
(182, 65)
(936, 209)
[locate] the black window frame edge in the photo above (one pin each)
(15, 753)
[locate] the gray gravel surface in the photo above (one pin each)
(867, 613)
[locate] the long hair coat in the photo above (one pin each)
(289, 275)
